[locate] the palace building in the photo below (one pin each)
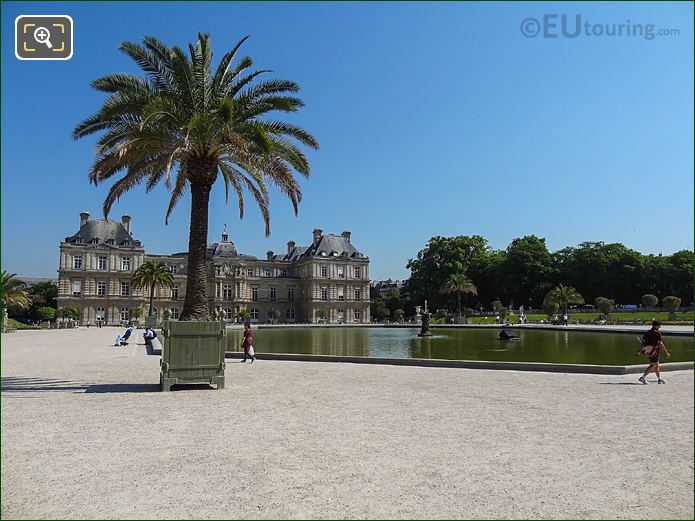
(329, 277)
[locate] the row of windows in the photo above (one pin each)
(125, 313)
(228, 313)
(102, 263)
(341, 293)
(267, 272)
(356, 313)
(79, 240)
(342, 270)
(125, 288)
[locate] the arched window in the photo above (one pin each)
(290, 314)
(175, 313)
(227, 291)
(254, 313)
(228, 314)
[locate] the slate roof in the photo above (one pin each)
(103, 230)
(328, 246)
(331, 246)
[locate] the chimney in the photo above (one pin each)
(84, 217)
(290, 247)
(346, 234)
(125, 219)
(317, 235)
(269, 254)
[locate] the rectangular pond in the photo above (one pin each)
(565, 347)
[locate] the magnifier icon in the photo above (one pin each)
(42, 35)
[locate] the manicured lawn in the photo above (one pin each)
(644, 316)
(12, 323)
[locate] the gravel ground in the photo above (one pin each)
(86, 434)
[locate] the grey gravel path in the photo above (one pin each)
(86, 434)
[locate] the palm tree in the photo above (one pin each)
(242, 315)
(188, 125)
(151, 274)
(458, 283)
(563, 296)
(13, 292)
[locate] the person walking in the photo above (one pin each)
(247, 344)
(652, 339)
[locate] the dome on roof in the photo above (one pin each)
(226, 249)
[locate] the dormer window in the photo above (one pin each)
(172, 269)
(94, 241)
(109, 241)
(126, 243)
(78, 240)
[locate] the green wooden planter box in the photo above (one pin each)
(192, 353)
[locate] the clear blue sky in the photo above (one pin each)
(433, 119)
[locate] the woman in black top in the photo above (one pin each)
(652, 338)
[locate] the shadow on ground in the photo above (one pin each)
(123, 388)
(24, 384)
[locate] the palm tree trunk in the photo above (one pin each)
(458, 301)
(195, 307)
(151, 299)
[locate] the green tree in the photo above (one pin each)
(398, 315)
(41, 294)
(649, 300)
(322, 314)
(604, 305)
(550, 307)
(136, 313)
(242, 315)
(13, 292)
(527, 270)
(188, 124)
(379, 309)
(564, 296)
(273, 315)
(441, 258)
(671, 304)
(71, 312)
(46, 313)
(459, 284)
(152, 274)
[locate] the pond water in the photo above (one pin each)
(566, 347)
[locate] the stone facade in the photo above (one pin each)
(98, 262)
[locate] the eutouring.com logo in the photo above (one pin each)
(572, 26)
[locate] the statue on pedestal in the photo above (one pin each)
(425, 326)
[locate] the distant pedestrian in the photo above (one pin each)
(565, 318)
(652, 339)
(247, 344)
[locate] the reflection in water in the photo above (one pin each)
(571, 347)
